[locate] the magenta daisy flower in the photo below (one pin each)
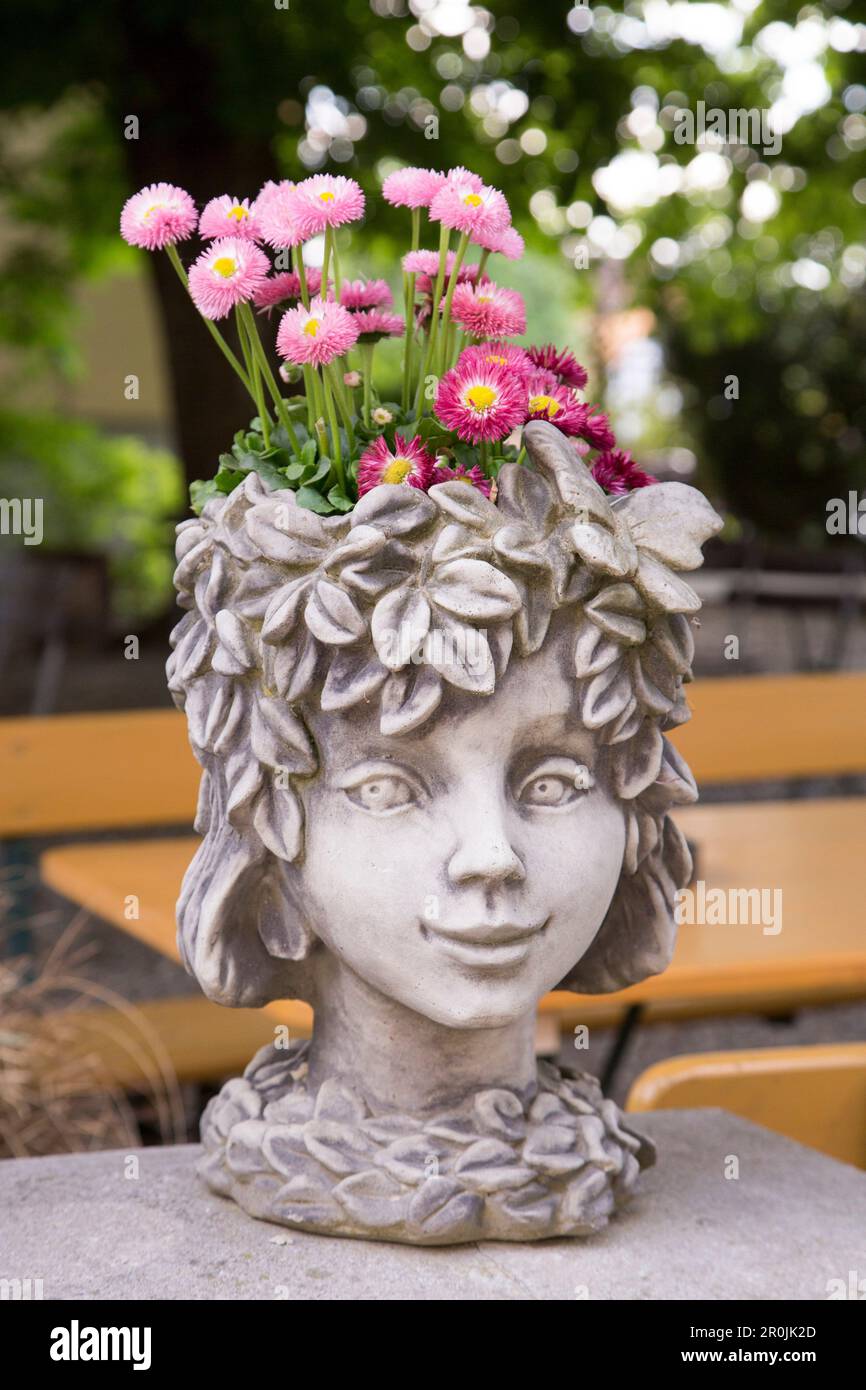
(547, 400)
(594, 428)
(317, 335)
(616, 471)
(481, 401)
(325, 200)
(563, 364)
(473, 476)
(464, 207)
(509, 355)
(508, 243)
(487, 311)
(374, 324)
(286, 284)
(228, 273)
(365, 294)
(412, 188)
(226, 216)
(158, 216)
(461, 175)
(408, 463)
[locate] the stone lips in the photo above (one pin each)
(500, 1166)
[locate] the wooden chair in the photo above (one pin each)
(816, 1095)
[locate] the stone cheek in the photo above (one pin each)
(495, 1168)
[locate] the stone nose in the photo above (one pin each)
(484, 852)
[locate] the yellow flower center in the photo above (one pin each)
(473, 200)
(485, 299)
(481, 397)
(544, 405)
(154, 207)
(500, 361)
(462, 478)
(238, 213)
(326, 197)
(225, 266)
(397, 471)
(311, 327)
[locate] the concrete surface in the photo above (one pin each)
(790, 1222)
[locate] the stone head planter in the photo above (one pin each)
(435, 786)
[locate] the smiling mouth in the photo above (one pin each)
(486, 945)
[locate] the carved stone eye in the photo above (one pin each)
(380, 793)
(557, 782)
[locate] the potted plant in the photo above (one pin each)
(427, 664)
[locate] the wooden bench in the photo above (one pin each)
(816, 1095)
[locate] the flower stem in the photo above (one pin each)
(485, 256)
(367, 356)
(211, 327)
(337, 454)
(259, 351)
(342, 403)
(301, 272)
(409, 303)
(452, 283)
(444, 237)
(246, 333)
(521, 456)
(310, 397)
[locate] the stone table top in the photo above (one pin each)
(789, 1223)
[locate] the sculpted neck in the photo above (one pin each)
(400, 1060)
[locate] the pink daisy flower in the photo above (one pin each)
(408, 463)
(616, 471)
(509, 355)
(365, 294)
(595, 429)
(508, 243)
(275, 215)
(487, 311)
(374, 324)
(325, 200)
(412, 188)
(286, 284)
(317, 335)
(228, 216)
(464, 207)
(558, 404)
(158, 216)
(228, 273)
(461, 175)
(563, 364)
(473, 476)
(481, 401)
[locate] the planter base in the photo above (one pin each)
(498, 1166)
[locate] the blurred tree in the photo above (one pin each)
(743, 256)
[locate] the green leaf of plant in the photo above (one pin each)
(314, 501)
(339, 500)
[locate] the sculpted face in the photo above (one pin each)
(464, 870)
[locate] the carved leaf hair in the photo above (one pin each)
(410, 595)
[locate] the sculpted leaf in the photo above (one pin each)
(664, 589)
(332, 616)
(373, 575)
(235, 639)
(284, 610)
(599, 549)
(655, 701)
(594, 651)
(606, 696)
(461, 655)
(674, 639)
(556, 458)
(468, 506)
(294, 666)
(293, 747)
(232, 731)
(638, 762)
(409, 698)
(279, 820)
(533, 616)
(353, 676)
(618, 610)
(515, 544)
(473, 590)
(285, 532)
(362, 542)
(394, 508)
(455, 540)
(400, 622)
(525, 496)
(244, 777)
(671, 522)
